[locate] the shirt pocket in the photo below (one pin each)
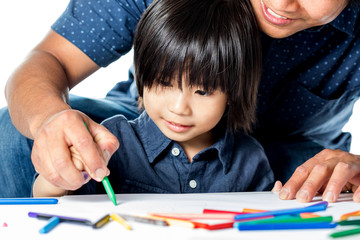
(132, 186)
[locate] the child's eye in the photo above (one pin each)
(202, 93)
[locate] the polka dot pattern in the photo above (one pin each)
(102, 29)
(310, 81)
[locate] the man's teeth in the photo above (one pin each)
(274, 14)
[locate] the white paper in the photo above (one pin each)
(93, 207)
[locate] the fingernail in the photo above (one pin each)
(284, 193)
(357, 197)
(107, 156)
(302, 196)
(99, 174)
(329, 196)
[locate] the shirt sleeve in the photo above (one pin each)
(103, 30)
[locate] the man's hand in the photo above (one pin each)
(51, 154)
(330, 172)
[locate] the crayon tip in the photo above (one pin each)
(109, 190)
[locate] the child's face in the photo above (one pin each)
(187, 114)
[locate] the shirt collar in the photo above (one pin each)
(347, 20)
(153, 139)
(155, 142)
(224, 148)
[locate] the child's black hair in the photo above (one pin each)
(214, 42)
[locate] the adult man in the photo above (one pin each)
(308, 88)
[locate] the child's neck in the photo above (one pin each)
(196, 145)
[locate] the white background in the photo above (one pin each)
(23, 23)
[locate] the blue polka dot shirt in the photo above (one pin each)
(310, 80)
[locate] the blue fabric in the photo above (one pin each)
(149, 162)
(104, 30)
(310, 82)
(16, 170)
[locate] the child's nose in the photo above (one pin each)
(180, 104)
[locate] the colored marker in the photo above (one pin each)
(25, 201)
(313, 208)
(190, 216)
(244, 211)
(53, 222)
(345, 233)
(176, 222)
(287, 219)
(351, 214)
(120, 220)
(147, 220)
(102, 221)
(349, 222)
(284, 226)
(108, 188)
(81, 221)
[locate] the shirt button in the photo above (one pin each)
(192, 184)
(175, 151)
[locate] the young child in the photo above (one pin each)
(197, 73)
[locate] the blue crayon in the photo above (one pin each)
(53, 222)
(25, 201)
(313, 208)
(284, 226)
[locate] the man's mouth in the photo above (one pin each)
(274, 14)
(273, 17)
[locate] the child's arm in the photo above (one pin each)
(43, 188)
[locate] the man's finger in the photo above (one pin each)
(105, 140)
(316, 179)
(295, 182)
(79, 136)
(339, 178)
(60, 157)
(277, 187)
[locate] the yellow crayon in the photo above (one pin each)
(122, 221)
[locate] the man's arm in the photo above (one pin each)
(43, 81)
(37, 94)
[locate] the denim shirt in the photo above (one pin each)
(310, 80)
(149, 162)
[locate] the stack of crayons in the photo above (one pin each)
(251, 219)
(246, 220)
(349, 219)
